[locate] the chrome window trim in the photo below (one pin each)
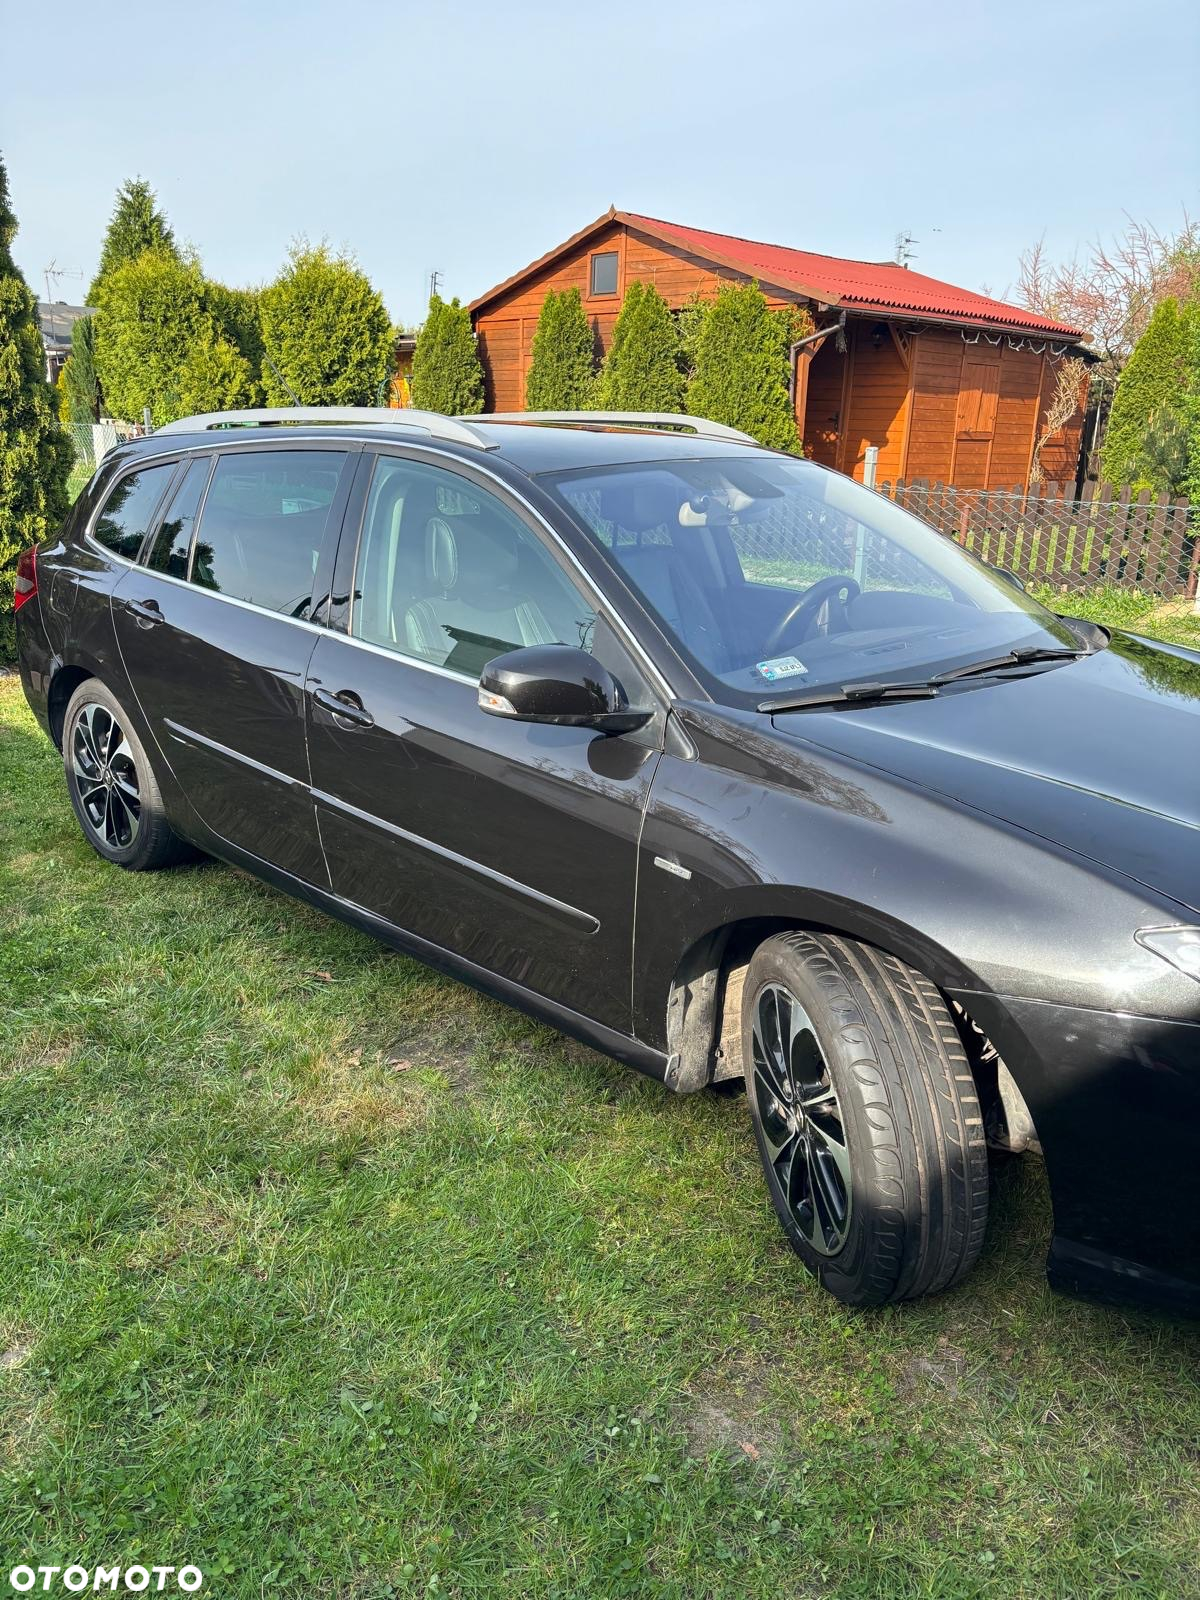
(215, 594)
(399, 655)
(412, 452)
(89, 532)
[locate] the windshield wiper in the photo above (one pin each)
(1022, 656)
(851, 694)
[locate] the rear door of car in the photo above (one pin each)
(214, 628)
(511, 844)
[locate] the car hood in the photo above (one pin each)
(1101, 755)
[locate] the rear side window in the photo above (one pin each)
(263, 523)
(174, 538)
(127, 513)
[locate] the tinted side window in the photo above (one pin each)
(263, 523)
(449, 575)
(122, 524)
(174, 538)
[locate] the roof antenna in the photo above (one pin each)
(283, 383)
(904, 248)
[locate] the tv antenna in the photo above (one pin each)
(904, 248)
(435, 279)
(53, 270)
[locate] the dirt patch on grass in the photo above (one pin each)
(728, 1411)
(944, 1369)
(40, 1055)
(449, 1051)
(23, 1412)
(351, 1092)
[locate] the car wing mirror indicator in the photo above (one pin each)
(557, 683)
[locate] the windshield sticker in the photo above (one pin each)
(780, 667)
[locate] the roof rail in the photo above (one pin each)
(453, 429)
(700, 426)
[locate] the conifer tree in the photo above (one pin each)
(740, 376)
(136, 225)
(151, 313)
(643, 369)
(1152, 382)
(447, 375)
(562, 362)
(325, 331)
(80, 384)
(35, 454)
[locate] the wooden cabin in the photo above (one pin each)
(949, 385)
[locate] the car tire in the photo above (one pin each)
(866, 1118)
(113, 790)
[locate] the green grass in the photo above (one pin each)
(337, 1279)
(1173, 620)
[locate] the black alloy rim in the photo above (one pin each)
(801, 1119)
(106, 777)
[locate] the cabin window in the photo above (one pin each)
(977, 399)
(604, 273)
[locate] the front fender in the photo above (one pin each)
(753, 830)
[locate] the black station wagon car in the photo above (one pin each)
(705, 755)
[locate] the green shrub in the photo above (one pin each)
(1191, 404)
(1153, 381)
(740, 366)
(35, 454)
(562, 362)
(446, 373)
(215, 376)
(236, 315)
(326, 331)
(80, 387)
(151, 313)
(1163, 457)
(135, 226)
(643, 370)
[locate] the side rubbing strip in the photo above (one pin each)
(583, 921)
(190, 736)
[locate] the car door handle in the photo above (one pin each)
(144, 612)
(345, 708)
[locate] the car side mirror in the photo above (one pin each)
(1010, 577)
(557, 683)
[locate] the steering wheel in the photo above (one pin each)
(809, 603)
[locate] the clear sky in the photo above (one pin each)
(471, 137)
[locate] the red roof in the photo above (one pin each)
(882, 286)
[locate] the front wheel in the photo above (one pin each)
(112, 785)
(866, 1118)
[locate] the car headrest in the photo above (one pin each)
(468, 557)
(441, 554)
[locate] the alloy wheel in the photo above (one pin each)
(106, 777)
(801, 1119)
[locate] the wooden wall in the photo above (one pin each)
(506, 326)
(975, 408)
(938, 407)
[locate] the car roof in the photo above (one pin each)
(530, 447)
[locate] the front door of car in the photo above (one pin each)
(511, 844)
(215, 634)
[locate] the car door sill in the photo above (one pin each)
(599, 1036)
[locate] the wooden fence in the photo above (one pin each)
(1108, 537)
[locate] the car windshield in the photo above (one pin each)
(778, 576)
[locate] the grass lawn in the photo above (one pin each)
(335, 1279)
